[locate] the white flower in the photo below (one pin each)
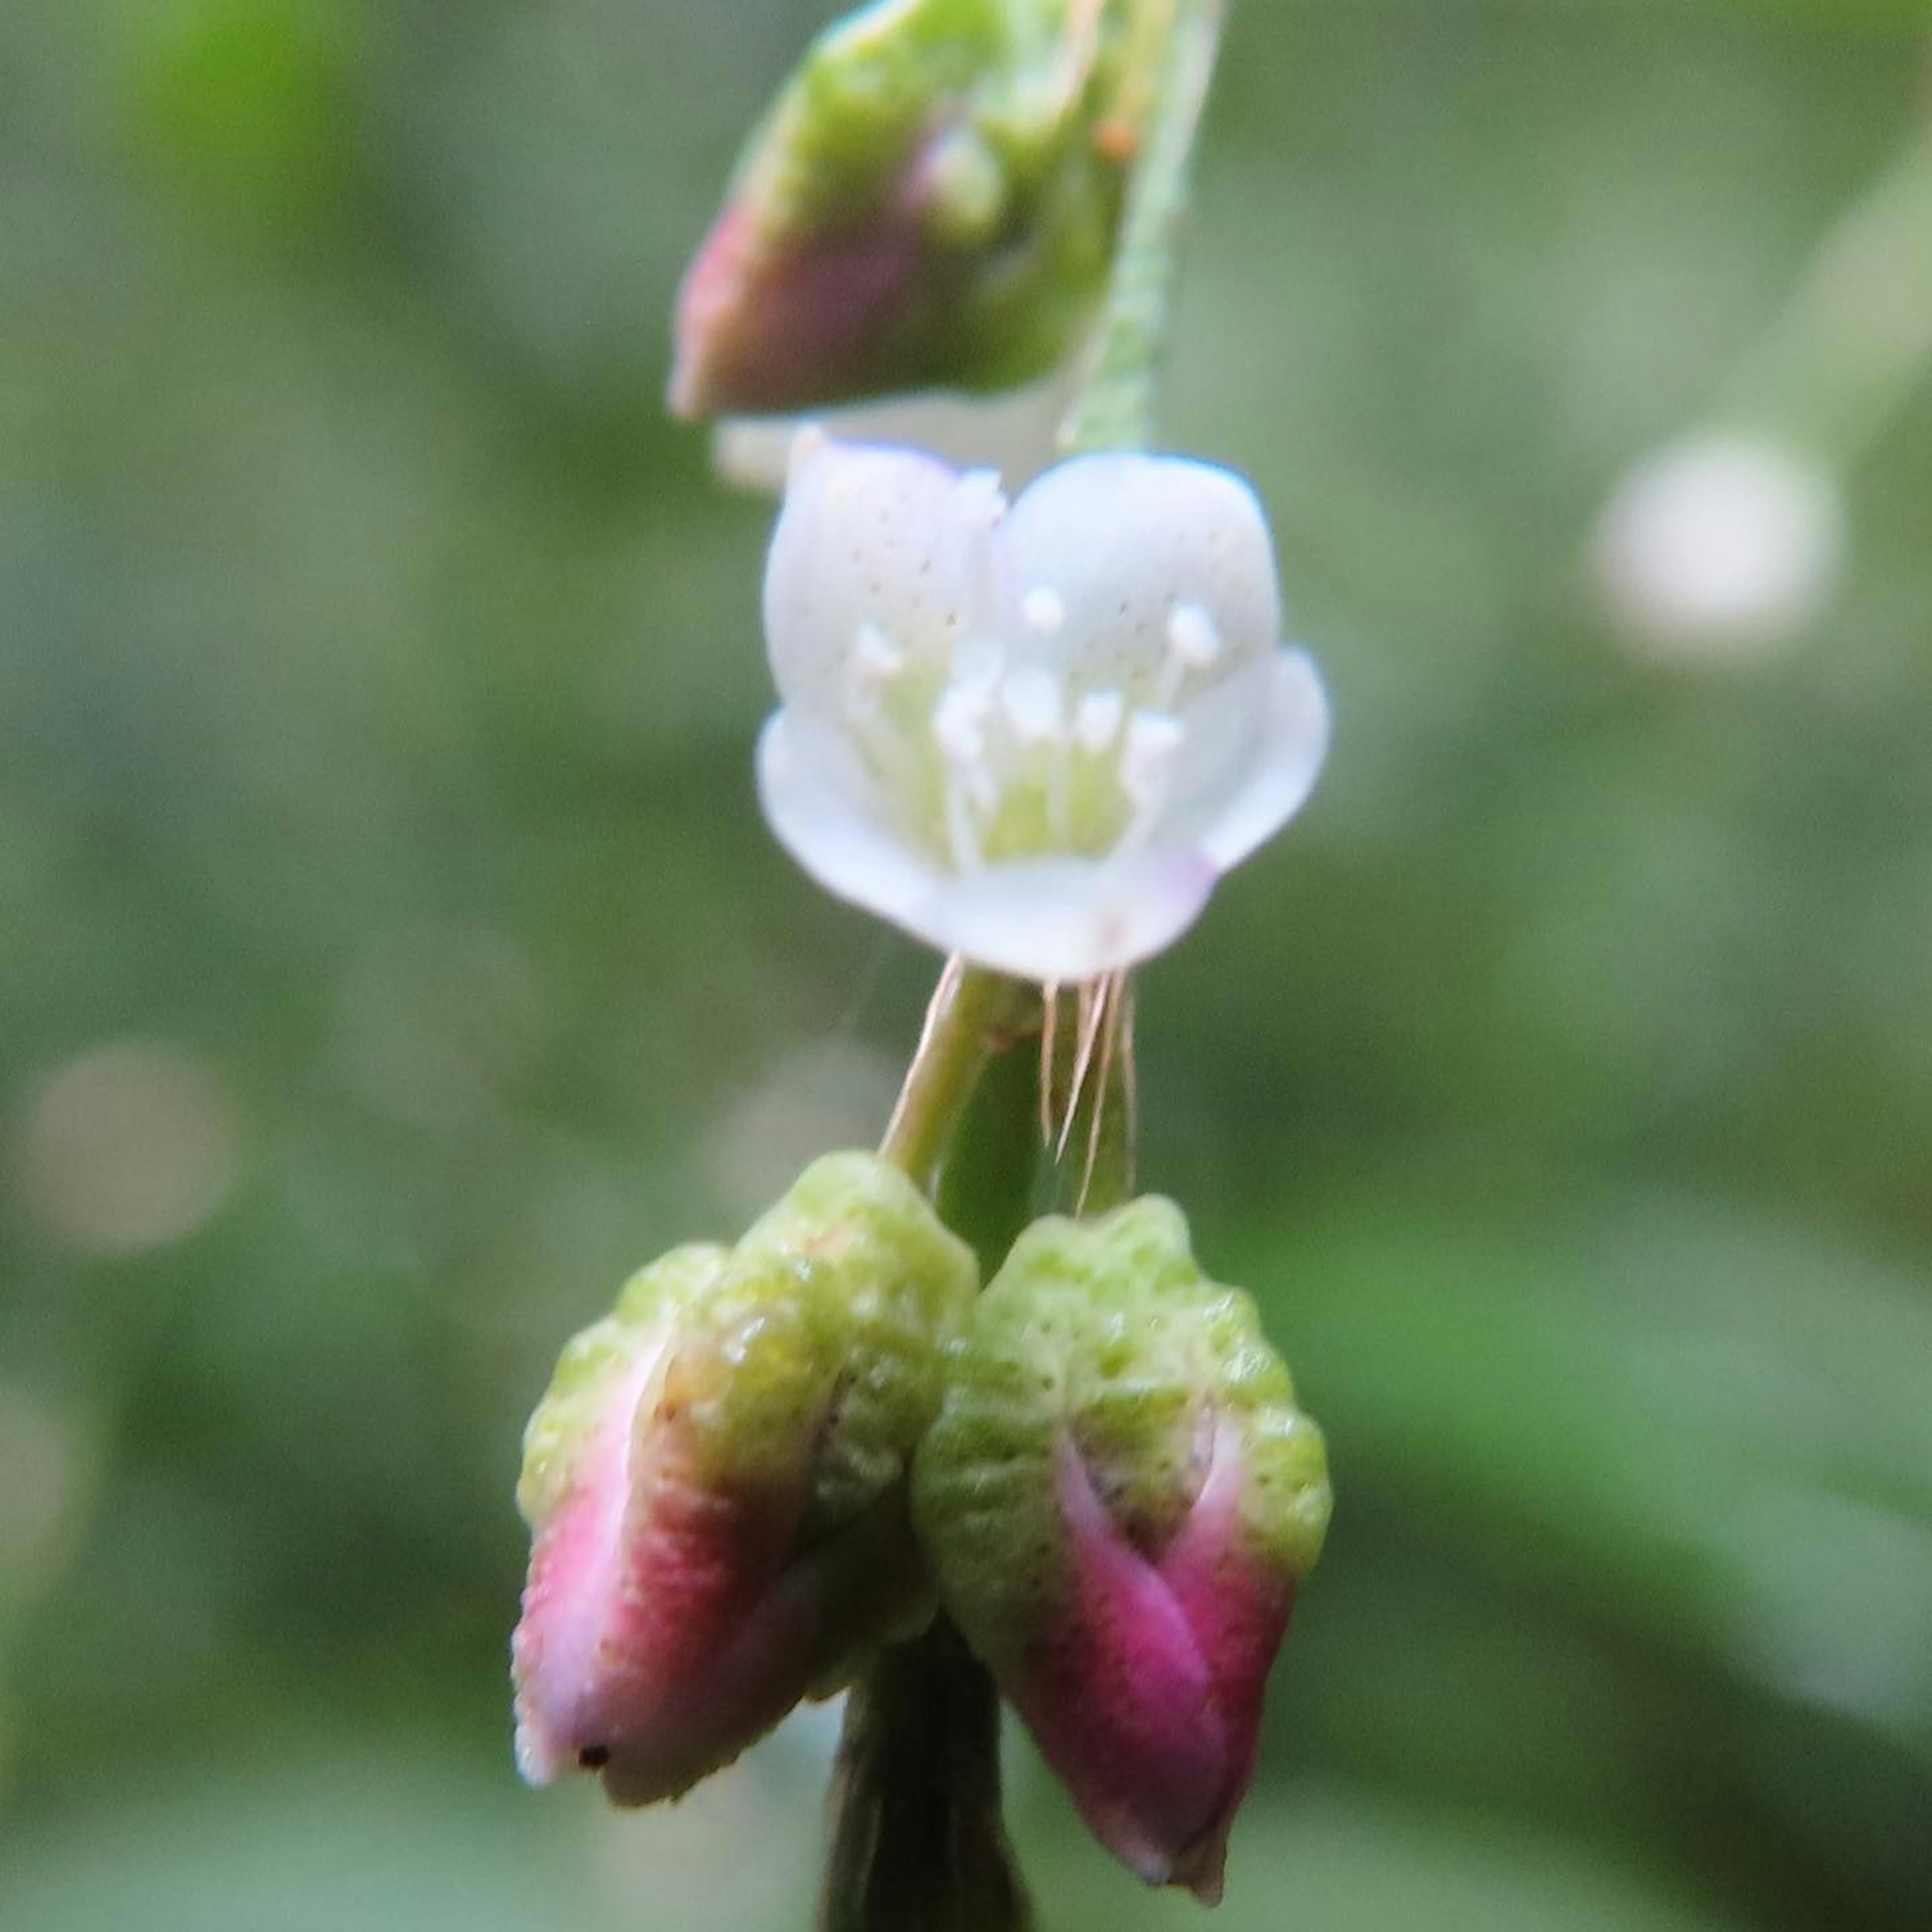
(1035, 735)
(1721, 544)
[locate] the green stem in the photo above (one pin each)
(974, 1015)
(987, 1196)
(1115, 408)
(918, 1845)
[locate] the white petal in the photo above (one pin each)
(1049, 920)
(1291, 718)
(1122, 540)
(818, 803)
(873, 544)
(1068, 919)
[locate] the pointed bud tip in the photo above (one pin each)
(1203, 1870)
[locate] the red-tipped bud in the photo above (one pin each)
(931, 203)
(716, 1483)
(1119, 1500)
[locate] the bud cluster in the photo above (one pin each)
(774, 1459)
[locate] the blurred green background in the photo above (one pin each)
(392, 956)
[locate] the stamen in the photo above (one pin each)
(1152, 738)
(958, 729)
(875, 655)
(959, 720)
(1045, 610)
(1097, 718)
(1194, 637)
(1033, 701)
(1193, 644)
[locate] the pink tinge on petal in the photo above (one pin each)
(653, 1644)
(1145, 1694)
(765, 324)
(574, 1565)
(1117, 1695)
(1238, 1610)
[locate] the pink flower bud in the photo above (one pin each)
(1119, 1500)
(1145, 1695)
(716, 1481)
(931, 203)
(766, 322)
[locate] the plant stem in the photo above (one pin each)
(1115, 408)
(918, 1845)
(987, 1196)
(973, 1016)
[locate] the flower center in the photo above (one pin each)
(1005, 756)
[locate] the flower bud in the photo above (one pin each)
(716, 1481)
(932, 201)
(1118, 1500)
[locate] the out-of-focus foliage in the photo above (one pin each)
(391, 958)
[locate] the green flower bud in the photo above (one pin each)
(1118, 1500)
(716, 1483)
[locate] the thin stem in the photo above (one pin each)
(987, 1196)
(974, 1015)
(1115, 408)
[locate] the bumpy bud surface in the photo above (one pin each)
(932, 201)
(1118, 1499)
(716, 1483)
